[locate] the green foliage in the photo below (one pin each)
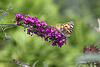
(30, 49)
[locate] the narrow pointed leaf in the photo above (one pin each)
(45, 64)
(9, 8)
(5, 12)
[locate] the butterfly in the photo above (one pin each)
(65, 28)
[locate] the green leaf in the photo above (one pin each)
(35, 63)
(4, 12)
(9, 8)
(3, 15)
(45, 64)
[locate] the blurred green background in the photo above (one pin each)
(29, 49)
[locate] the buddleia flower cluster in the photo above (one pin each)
(35, 26)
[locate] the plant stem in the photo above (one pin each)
(92, 64)
(15, 24)
(8, 24)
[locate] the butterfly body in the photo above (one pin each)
(65, 28)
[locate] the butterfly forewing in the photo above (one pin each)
(59, 27)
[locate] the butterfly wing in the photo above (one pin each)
(59, 27)
(65, 34)
(69, 27)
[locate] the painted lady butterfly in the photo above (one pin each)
(65, 28)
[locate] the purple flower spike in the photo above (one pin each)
(34, 25)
